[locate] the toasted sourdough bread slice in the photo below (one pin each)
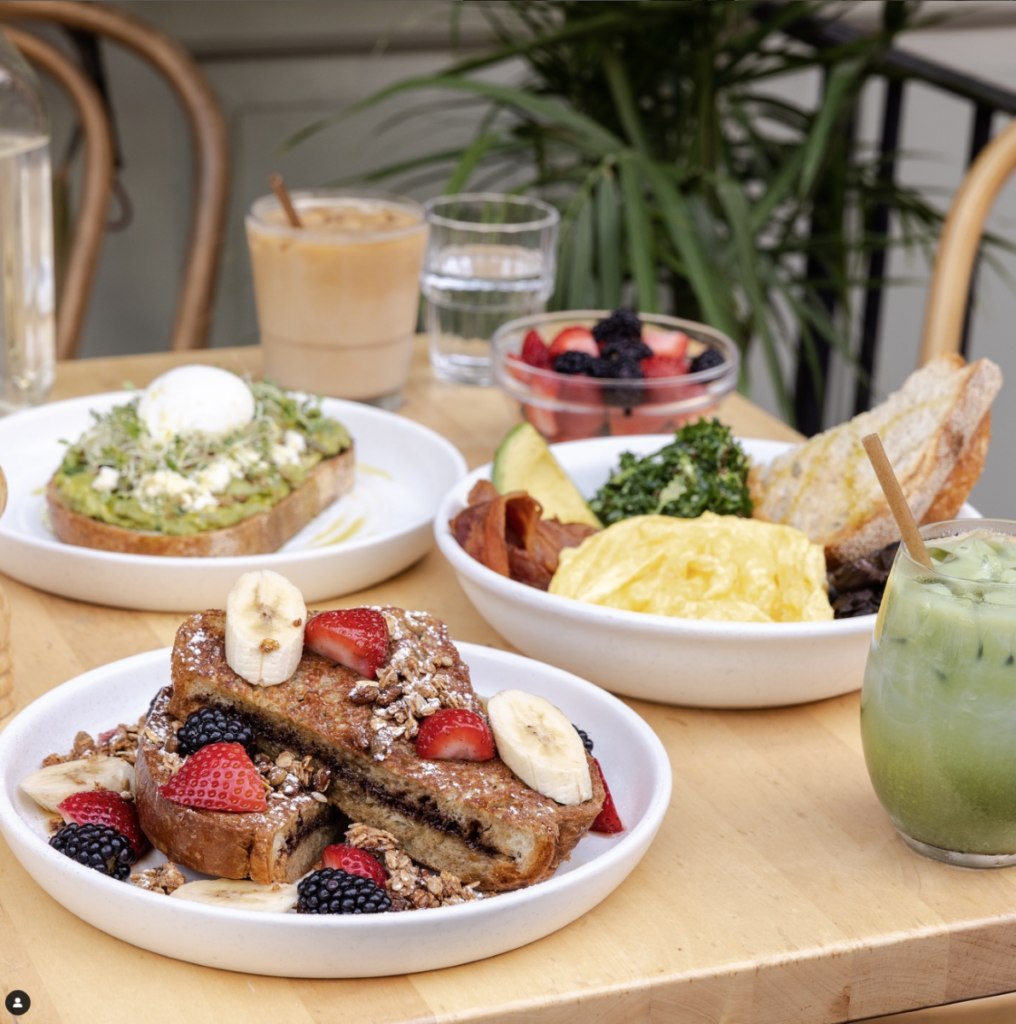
(258, 534)
(475, 819)
(280, 844)
(935, 431)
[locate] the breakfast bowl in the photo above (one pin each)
(682, 373)
(656, 657)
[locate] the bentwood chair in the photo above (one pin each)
(210, 153)
(946, 309)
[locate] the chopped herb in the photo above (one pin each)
(702, 470)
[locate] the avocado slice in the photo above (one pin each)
(523, 462)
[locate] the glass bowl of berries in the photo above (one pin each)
(590, 373)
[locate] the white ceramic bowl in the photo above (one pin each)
(305, 946)
(655, 657)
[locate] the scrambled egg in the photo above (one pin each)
(713, 567)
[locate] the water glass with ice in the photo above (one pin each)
(491, 258)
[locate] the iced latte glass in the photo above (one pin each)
(337, 298)
(938, 707)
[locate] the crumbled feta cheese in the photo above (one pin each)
(248, 458)
(197, 500)
(105, 480)
(164, 483)
(295, 441)
(215, 477)
(283, 456)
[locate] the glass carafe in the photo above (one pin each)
(27, 286)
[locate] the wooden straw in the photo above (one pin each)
(279, 188)
(897, 502)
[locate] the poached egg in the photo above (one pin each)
(196, 399)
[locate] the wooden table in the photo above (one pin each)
(775, 893)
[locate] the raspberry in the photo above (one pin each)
(96, 846)
(333, 891)
(706, 360)
(213, 725)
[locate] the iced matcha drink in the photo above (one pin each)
(938, 708)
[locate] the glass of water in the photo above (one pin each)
(490, 259)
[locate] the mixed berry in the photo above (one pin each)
(595, 370)
(334, 891)
(96, 846)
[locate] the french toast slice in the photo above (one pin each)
(935, 431)
(258, 534)
(475, 819)
(280, 844)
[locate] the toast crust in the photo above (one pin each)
(935, 430)
(477, 820)
(280, 844)
(258, 534)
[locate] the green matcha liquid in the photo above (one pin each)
(938, 707)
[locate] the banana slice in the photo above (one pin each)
(240, 894)
(265, 616)
(540, 745)
(48, 787)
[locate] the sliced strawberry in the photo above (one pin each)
(673, 344)
(355, 637)
(607, 820)
(534, 352)
(663, 366)
(104, 807)
(455, 734)
(573, 339)
(218, 777)
(354, 862)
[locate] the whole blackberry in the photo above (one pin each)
(625, 369)
(615, 351)
(213, 725)
(574, 363)
(96, 846)
(621, 325)
(586, 741)
(334, 891)
(706, 360)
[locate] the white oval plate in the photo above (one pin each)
(305, 946)
(377, 530)
(656, 657)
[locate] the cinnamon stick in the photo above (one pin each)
(280, 190)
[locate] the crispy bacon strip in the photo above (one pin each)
(505, 533)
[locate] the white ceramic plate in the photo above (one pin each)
(382, 526)
(295, 945)
(654, 657)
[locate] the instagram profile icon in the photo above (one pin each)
(17, 1002)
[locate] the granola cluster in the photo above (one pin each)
(120, 742)
(164, 879)
(410, 687)
(287, 774)
(410, 886)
